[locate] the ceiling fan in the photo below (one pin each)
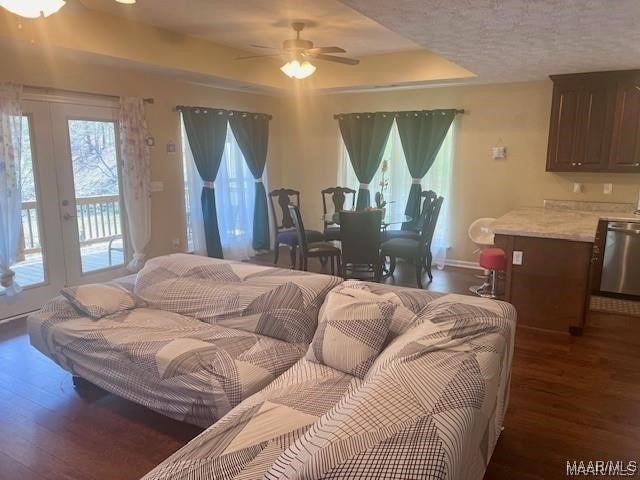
(298, 52)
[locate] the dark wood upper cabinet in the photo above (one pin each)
(595, 123)
(563, 132)
(625, 149)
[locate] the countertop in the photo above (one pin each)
(575, 221)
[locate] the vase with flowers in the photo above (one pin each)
(384, 184)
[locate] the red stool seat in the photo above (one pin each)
(493, 259)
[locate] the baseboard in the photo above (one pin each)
(450, 262)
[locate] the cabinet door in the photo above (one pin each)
(595, 118)
(625, 145)
(563, 131)
(550, 287)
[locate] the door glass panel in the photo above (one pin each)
(97, 192)
(29, 267)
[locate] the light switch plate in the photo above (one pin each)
(608, 188)
(578, 188)
(517, 257)
(499, 153)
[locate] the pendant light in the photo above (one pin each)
(40, 8)
(33, 8)
(297, 69)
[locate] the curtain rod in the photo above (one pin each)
(179, 108)
(149, 100)
(338, 115)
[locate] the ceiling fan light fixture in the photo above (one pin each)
(297, 69)
(33, 8)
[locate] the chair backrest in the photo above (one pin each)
(285, 197)
(429, 216)
(298, 224)
(361, 236)
(416, 224)
(481, 231)
(338, 196)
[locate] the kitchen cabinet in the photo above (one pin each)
(550, 289)
(595, 123)
(625, 148)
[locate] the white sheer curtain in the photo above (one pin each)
(10, 183)
(235, 192)
(136, 176)
(437, 179)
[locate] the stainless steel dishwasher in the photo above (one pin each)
(621, 267)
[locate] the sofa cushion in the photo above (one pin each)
(173, 364)
(98, 300)
(276, 302)
(433, 408)
(250, 438)
(352, 329)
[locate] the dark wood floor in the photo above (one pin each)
(571, 399)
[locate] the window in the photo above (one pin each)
(235, 194)
(437, 179)
(29, 266)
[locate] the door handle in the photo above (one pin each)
(68, 216)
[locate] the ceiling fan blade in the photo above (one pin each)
(263, 46)
(332, 58)
(326, 50)
(247, 57)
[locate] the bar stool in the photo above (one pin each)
(494, 260)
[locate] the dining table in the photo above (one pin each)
(388, 218)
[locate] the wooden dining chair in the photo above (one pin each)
(416, 250)
(338, 198)
(361, 237)
(411, 229)
(313, 249)
(284, 226)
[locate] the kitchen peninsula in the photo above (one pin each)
(562, 245)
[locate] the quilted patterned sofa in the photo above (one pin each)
(298, 375)
(209, 334)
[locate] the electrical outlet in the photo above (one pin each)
(578, 188)
(608, 188)
(175, 244)
(517, 257)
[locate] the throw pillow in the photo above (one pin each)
(352, 330)
(98, 300)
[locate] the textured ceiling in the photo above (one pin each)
(240, 23)
(511, 40)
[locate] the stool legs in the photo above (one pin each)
(489, 289)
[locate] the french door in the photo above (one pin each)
(72, 211)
